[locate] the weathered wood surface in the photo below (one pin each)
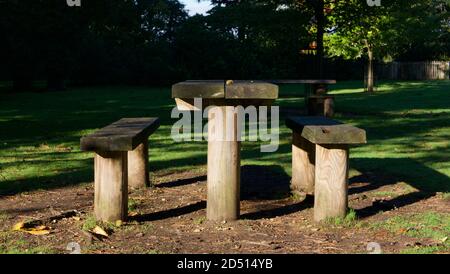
(303, 167)
(330, 195)
(322, 130)
(187, 104)
(199, 89)
(111, 186)
(138, 175)
(328, 107)
(250, 90)
(123, 135)
(302, 81)
(223, 187)
(219, 89)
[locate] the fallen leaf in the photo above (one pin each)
(133, 213)
(28, 228)
(444, 239)
(38, 232)
(18, 226)
(100, 231)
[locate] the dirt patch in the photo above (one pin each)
(170, 218)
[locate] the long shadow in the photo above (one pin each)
(425, 180)
(280, 211)
(174, 212)
(264, 182)
(182, 182)
(80, 175)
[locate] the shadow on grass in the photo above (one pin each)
(378, 172)
(73, 177)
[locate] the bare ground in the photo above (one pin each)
(170, 218)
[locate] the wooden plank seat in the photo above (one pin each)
(320, 161)
(121, 160)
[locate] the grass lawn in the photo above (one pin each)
(407, 124)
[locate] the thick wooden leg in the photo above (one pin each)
(303, 169)
(138, 166)
(331, 182)
(111, 190)
(328, 107)
(223, 168)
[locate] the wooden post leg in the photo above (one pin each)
(303, 158)
(223, 168)
(138, 166)
(328, 107)
(330, 198)
(111, 190)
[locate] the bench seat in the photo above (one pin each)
(121, 160)
(320, 161)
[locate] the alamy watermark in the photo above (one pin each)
(228, 123)
(373, 3)
(73, 3)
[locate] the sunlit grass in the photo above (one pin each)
(407, 125)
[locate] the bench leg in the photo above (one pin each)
(223, 170)
(330, 198)
(138, 176)
(111, 190)
(328, 107)
(303, 158)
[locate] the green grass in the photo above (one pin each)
(11, 244)
(200, 220)
(407, 126)
(89, 223)
(446, 196)
(3, 216)
(430, 225)
(347, 221)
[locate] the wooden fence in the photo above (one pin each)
(433, 70)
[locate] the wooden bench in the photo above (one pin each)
(121, 159)
(320, 161)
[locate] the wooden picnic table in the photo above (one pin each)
(310, 84)
(316, 99)
(223, 175)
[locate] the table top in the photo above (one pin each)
(225, 89)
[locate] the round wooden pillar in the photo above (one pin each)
(330, 198)
(328, 106)
(303, 168)
(223, 165)
(138, 176)
(111, 190)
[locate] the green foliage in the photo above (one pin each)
(396, 28)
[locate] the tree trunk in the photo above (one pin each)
(370, 80)
(320, 16)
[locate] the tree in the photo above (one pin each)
(389, 30)
(358, 29)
